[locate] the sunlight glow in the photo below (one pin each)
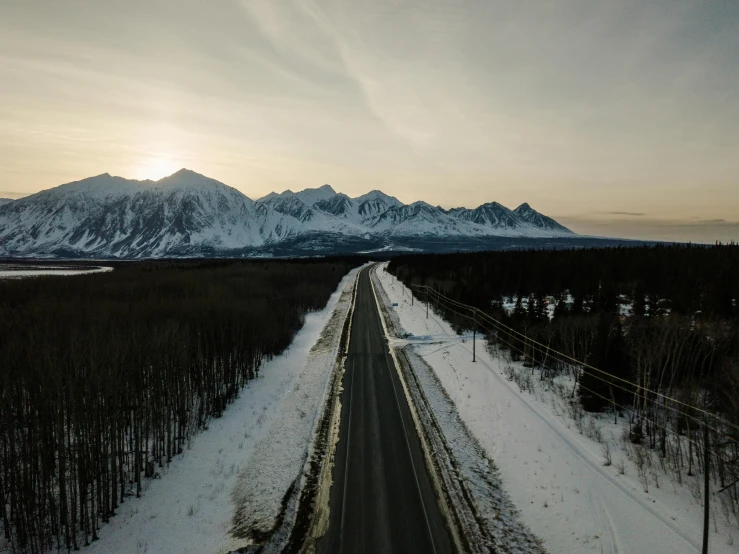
(155, 168)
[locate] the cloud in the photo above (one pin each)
(689, 230)
(635, 214)
(574, 106)
(12, 195)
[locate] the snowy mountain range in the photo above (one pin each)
(188, 214)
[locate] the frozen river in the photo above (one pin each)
(19, 271)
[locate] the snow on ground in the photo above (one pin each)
(475, 499)
(279, 457)
(190, 509)
(20, 272)
(554, 475)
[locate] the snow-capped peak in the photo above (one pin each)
(306, 196)
(311, 196)
(524, 208)
(529, 215)
(186, 212)
(378, 195)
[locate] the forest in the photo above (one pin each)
(104, 378)
(650, 333)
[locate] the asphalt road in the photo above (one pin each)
(381, 500)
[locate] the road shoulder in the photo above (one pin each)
(481, 513)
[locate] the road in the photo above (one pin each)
(381, 499)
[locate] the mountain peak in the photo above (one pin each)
(532, 217)
(185, 171)
(378, 195)
(185, 178)
(188, 213)
(311, 196)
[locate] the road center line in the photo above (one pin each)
(391, 364)
(346, 462)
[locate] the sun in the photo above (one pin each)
(155, 168)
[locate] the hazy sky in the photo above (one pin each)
(618, 117)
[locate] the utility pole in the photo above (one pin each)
(706, 484)
(427, 302)
(474, 332)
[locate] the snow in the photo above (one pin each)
(553, 474)
(472, 487)
(20, 272)
(190, 509)
(378, 196)
(307, 196)
(112, 216)
(280, 455)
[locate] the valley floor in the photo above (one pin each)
(555, 475)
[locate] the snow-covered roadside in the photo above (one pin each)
(282, 459)
(8, 271)
(190, 509)
(554, 475)
(482, 516)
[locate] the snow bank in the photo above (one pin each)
(190, 509)
(279, 457)
(554, 475)
(484, 516)
(21, 272)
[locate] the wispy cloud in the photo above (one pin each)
(635, 214)
(622, 110)
(702, 230)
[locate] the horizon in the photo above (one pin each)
(665, 230)
(615, 121)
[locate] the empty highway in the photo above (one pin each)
(381, 499)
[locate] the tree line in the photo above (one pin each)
(647, 323)
(105, 377)
(669, 312)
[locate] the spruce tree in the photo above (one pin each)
(608, 354)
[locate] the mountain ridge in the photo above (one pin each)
(189, 214)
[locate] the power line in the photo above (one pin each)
(553, 352)
(706, 468)
(612, 402)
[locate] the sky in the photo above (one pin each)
(618, 118)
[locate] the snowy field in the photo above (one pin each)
(23, 271)
(553, 474)
(259, 444)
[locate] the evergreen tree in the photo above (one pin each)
(519, 312)
(608, 354)
(560, 306)
(531, 311)
(640, 301)
(541, 312)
